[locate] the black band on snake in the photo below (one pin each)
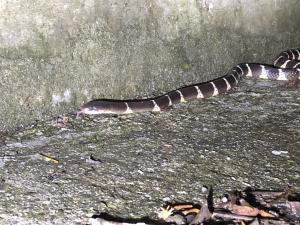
(285, 67)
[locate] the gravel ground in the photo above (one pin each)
(63, 171)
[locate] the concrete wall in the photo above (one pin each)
(57, 54)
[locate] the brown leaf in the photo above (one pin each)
(191, 210)
(265, 214)
(244, 210)
(182, 206)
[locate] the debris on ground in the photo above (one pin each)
(253, 207)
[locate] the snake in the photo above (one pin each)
(285, 67)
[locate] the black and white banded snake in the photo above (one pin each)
(285, 67)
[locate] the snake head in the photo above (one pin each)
(92, 107)
(85, 110)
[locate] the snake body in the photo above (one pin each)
(285, 67)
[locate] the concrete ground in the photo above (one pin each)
(63, 170)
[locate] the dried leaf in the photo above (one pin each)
(182, 206)
(191, 210)
(165, 212)
(244, 210)
(243, 223)
(265, 214)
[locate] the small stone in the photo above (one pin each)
(204, 189)
(224, 199)
(166, 199)
(275, 152)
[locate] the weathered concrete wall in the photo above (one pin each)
(57, 54)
